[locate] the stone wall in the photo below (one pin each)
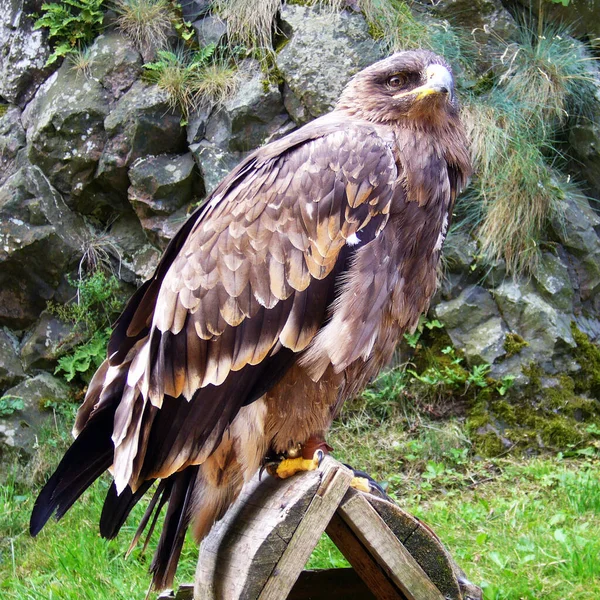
(103, 158)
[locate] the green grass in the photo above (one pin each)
(523, 529)
(69, 560)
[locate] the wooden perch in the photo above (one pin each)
(259, 549)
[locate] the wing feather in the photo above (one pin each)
(253, 273)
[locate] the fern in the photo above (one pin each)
(71, 24)
(86, 358)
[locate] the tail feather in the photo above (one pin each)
(177, 519)
(116, 508)
(87, 458)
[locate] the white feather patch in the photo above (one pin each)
(352, 240)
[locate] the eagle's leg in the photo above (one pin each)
(302, 457)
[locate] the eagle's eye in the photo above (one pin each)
(395, 81)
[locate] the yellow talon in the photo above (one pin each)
(361, 484)
(290, 466)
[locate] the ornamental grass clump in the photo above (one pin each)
(147, 23)
(513, 128)
(192, 79)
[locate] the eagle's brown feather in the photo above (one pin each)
(277, 300)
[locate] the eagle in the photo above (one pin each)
(280, 297)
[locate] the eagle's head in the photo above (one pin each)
(414, 87)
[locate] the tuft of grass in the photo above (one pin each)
(214, 84)
(195, 78)
(548, 76)
(250, 23)
(513, 127)
(80, 60)
(515, 192)
(147, 23)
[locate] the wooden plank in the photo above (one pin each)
(391, 555)
(364, 564)
(424, 546)
(334, 484)
(330, 584)
(239, 554)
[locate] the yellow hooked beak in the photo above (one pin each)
(439, 81)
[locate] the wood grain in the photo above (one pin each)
(391, 555)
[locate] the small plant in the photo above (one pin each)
(80, 60)
(214, 84)
(147, 23)
(96, 305)
(249, 23)
(71, 24)
(412, 339)
(193, 78)
(85, 358)
(10, 404)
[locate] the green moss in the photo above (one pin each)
(587, 354)
(505, 411)
(513, 344)
(559, 433)
(488, 445)
(3, 109)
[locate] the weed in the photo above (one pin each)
(85, 358)
(515, 192)
(393, 22)
(10, 404)
(214, 84)
(512, 129)
(71, 24)
(250, 23)
(548, 76)
(193, 78)
(146, 22)
(80, 60)
(97, 303)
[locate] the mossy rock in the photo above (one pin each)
(556, 414)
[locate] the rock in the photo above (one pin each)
(490, 24)
(554, 283)
(160, 230)
(576, 230)
(40, 241)
(209, 30)
(294, 107)
(11, 369)
(323, 53)
(253, 114)
(12, 139)
(24, 51)
(214, 163)
(137, 258)
(584, 140)
(474, 325)
(49, 339)
(196, 127)
(546, 329)
(115, 63)
(160, 185)
(141, 124)
(65, 129)
(193, 9)
(28, 401)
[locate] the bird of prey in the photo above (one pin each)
(279, 298)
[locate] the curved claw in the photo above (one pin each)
(319, 455)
